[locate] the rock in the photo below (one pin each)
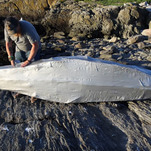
(57, 49)
(116, 115)
(141, 110)
(128, 16)
(149, 58)
(61, 41)
(76, 38)
(142, 54)
(107, 26)
(80, 23)
(137, 38)
(117, 57)
(113, 39)
(150, 25)
(31, 8)
(59, 35)
(51, 122)
(146, 32)
(110, 49)
(90, 53)
(125, 15)
(79, 45)
(106, 56)
(141, 45)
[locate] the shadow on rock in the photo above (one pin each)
(55, 126)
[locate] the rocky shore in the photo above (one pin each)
(120, 126)
(79, 19)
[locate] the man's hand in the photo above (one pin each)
(25, 63)
(13, 63)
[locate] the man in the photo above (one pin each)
(27, 42)
(25, 37)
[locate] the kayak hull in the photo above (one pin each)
(78, 80)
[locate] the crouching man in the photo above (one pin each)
(26, 39)
(27, 42)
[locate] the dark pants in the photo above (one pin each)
(23, 56)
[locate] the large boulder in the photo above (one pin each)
(21, 8)
(131, 20)
(93, 22)
(56, 20)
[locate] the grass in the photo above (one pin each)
(114, 2)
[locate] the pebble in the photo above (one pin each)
(141, 45)
(146, 32)
(76, 38)
(149, 58)
(59, 35)
(113, 39)
(80, 45)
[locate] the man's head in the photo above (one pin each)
(11, 25)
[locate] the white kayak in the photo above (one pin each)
(78, 80)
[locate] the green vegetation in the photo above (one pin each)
(114, 2)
